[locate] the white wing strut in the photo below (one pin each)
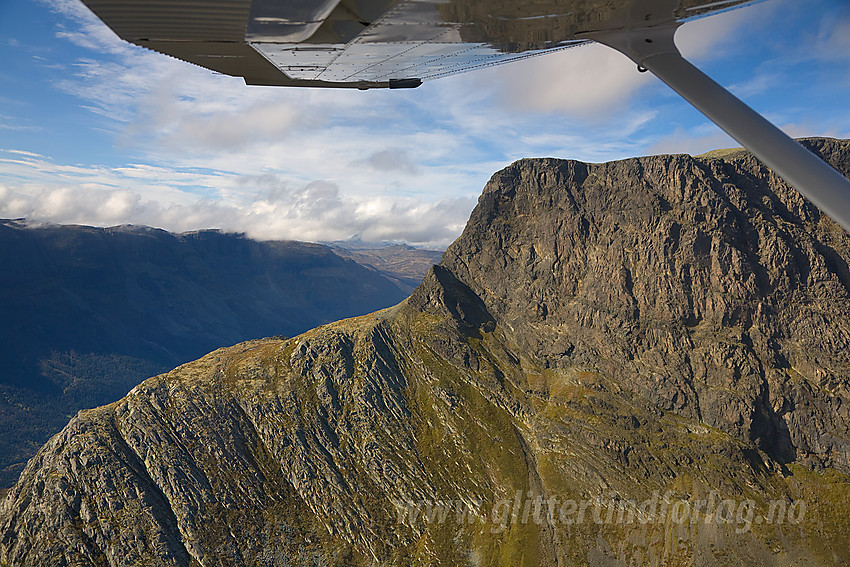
(653, 49)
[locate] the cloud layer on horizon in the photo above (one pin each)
(265, 207)
(193, 149)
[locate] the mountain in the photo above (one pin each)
(88, 313)
(404, 264)
(642, 362)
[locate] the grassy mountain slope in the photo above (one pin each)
(88, 313)
(632, 363)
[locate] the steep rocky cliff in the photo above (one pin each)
(634, 363)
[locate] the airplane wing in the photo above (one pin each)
(400, 43)
(363, 43)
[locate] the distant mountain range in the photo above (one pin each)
(87, 313)
(644, 362)
(402, 263)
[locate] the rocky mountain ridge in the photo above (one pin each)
(87, 313)
(600, 335)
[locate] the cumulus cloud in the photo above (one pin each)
(266, 207)
(314, 212)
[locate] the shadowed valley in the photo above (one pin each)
(88, 313)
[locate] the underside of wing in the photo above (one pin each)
(367, 43)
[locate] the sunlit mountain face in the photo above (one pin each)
(635, 362)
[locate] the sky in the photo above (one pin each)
(96, 131)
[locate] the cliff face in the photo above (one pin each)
(605, 344)
(705, 285)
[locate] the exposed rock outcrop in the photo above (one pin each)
(706, 285)
(632, 338)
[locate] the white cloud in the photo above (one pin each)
(22, 153)
(314, 212)
(273, 207)
(708, 37)
(592, 82)
(584, 82)
(203, 150)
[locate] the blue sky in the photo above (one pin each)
(97, 131)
